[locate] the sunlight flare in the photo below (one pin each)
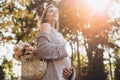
(97, 4)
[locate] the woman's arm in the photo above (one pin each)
(47, 50)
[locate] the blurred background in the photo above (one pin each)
(91, 28)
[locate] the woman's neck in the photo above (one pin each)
(52, 24)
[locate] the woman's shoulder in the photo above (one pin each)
(45, 27)
(60, 34)
(45, 24)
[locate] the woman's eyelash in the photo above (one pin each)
(53, 11)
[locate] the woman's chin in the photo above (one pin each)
(56, 19)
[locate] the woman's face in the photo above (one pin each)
(52, 14)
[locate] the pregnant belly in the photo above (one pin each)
(64, 62)
(61, 64)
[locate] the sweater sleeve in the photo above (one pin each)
(47, 50)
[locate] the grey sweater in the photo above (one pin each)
(51, 51)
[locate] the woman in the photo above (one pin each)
(51, 47)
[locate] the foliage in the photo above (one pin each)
(94, 27)
(7, 67)
(18, 21)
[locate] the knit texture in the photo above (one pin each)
(60, 64)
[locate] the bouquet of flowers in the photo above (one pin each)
(22, 48)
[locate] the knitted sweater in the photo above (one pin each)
(52, 48)
(65, 62)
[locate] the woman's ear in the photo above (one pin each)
(45, 19)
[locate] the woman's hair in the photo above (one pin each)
(44, 15)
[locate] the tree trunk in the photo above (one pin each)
(78, 55)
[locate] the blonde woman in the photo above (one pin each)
(51, 47)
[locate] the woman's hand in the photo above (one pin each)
(17, 52)
(29, 49)
(67, 72)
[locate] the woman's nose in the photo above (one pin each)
(55, 12)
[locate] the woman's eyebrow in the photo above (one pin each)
(53, 10)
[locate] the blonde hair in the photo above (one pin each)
(43, 16)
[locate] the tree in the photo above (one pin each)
(94, 27)
(17, 20)
(1, 73)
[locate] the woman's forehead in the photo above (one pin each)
(52, 8)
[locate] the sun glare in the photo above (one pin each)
(97, 5)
